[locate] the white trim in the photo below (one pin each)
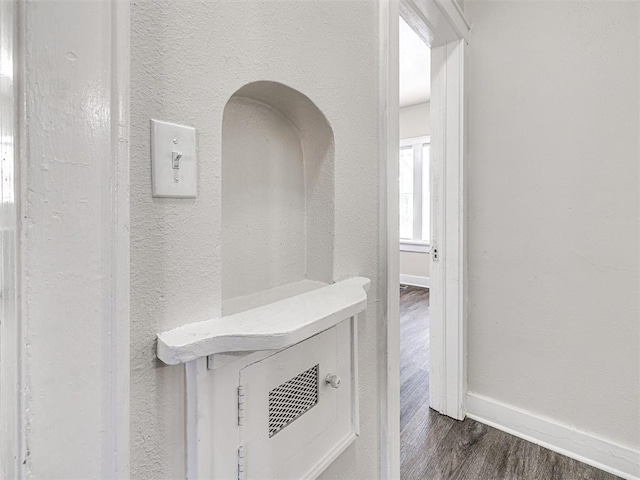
(389, 137)
(273, 326)
(433, 22)
(437, 22)
(416, 144)
(111, 442)
(415, 281)
(211, 386)
(191, 418)
(197, 412)
(22, 150)
(355, 375)
(12, 408)
(118, 331)
(447, 382)
(456, 19)
(564, 439)
(417, 247)
(410, 142)
(417, 191)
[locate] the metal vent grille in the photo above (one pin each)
(291, 399)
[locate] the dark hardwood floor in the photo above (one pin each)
(435, 447)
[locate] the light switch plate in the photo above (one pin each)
(172, 146)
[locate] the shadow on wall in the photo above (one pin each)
(277, 190)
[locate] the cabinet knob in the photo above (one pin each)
(333, 380)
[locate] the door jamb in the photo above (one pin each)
(114, 333)
(12, 418)
(447, 382)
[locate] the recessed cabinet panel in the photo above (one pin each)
(297, 406)
(270, 442)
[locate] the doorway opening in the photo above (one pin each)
(442, 26)
(435, 230)
(415, 242)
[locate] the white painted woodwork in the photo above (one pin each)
(447, 382)
(455, 19)
(73, 261)
(388, 141)
(12, 413)
(602, 453)
(414, 247)
(255, 350)
(415, 281)
(440, 24)
(264, 297)
(300, 448)
(269, 327)
(303, 449)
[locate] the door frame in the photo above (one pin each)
(12, 424)
(442, 25)
(107, 328)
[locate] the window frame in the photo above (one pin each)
(410, 245)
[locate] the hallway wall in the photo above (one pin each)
(553, 211)
(188, 58)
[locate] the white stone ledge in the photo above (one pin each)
(269, 327)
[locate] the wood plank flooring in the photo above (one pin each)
(436, 447)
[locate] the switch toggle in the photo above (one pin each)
(175, 159)
(174, 169)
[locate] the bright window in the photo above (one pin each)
(414, 191)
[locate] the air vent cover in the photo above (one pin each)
(290, 400)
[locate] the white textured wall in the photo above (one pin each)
(277, 190)
(415, 121)
(263, 200)
(553, 156)
(188, 58)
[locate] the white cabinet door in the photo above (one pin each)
(293, 419)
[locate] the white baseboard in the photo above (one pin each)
(415, 281)
(585, 447)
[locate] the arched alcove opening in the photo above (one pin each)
(277, 193)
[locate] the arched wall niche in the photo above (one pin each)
(277, 196)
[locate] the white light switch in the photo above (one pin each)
(174, 169)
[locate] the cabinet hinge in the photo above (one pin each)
(241, 463)
(240, 405)
(435, 254)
